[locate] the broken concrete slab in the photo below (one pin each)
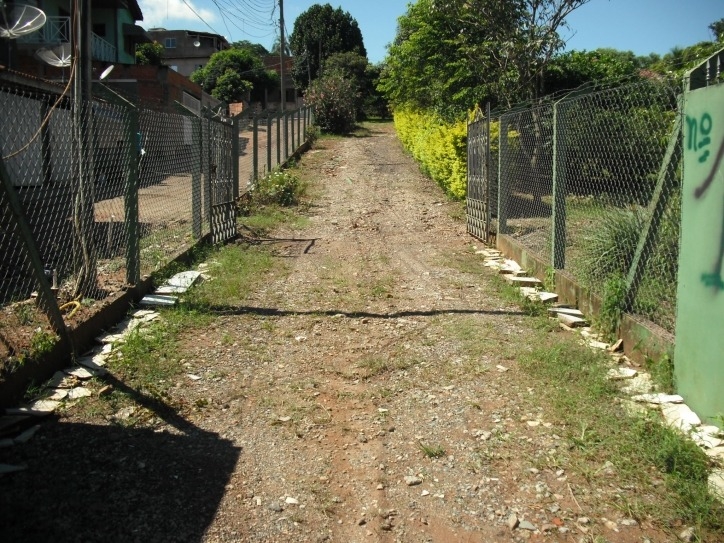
(61, 380)
(81, 373)
(547, 297)
(158, 300)
(639, 385)
(27, 435)
(39, 408)
(716, 483)
(622, 373)
(521, 281)
(91, 365)
(680, 416)
(571, 320)
(78, 392)
(58, 394)
(565, 311)
(705, 439)
(658, 398)
(598, 344)
(9, 468)
(185, 279)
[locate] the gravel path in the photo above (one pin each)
(372, 394)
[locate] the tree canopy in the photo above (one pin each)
(256, 48)
(242, 62)
(318, 33)
(450, 54)
(150, 53)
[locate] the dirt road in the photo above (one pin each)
(372, 394)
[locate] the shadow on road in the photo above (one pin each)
(115, 483)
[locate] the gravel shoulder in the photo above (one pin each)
(369, 393)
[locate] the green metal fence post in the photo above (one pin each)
(45, 296)
(655, 212)
(291, 115)
(299, 127)
(130, 211)
(503, 183)
(236, 122)
(279, 139)
(488, 176)
(559, 188)
(268, 142)
(255, 140)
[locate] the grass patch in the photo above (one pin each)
(640, 447)
(432, 451)
(235, 272)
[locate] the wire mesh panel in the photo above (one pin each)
(614, 155)
(526, 186)
(169, 183)
(477, 203)
(221, 180)
(246, 151)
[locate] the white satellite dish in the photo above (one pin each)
(197, 43)
(105, 73)
(19, 20)
(59, 56)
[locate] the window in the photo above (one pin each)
(170, 43)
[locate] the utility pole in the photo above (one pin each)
(282, 47)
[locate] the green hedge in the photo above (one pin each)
(440, 148)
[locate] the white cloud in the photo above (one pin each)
(165, 12)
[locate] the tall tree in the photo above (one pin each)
(248, 66)
(256, 48)
(717, 28)
(445, 55)
(318, 33)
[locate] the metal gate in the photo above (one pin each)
(479, 179)
(219, 171)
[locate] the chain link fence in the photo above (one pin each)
(95, 195)
(590, 183)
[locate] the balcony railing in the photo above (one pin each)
(57, 30)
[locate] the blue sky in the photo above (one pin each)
(641, 26)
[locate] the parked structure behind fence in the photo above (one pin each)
(96, 195)
(590, 184)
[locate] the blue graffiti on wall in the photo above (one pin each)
(699, 140)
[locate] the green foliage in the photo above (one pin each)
(279, 187)
(432, 451)
(640, 447)
(717, 28)
(333, 98)
(243, 62)
(150, 53)
(230, 87)
(41, 343)
(319, 33)
(257, 49)
(574, 68)
(440, 148)
(446, 57)
(681, 59)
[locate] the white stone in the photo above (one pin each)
(155, 300)
(27, 434)
(291, 501)
(622, 373)
(78, 392)
(716, 483)
(81, 373)
(658, 398)
(184, 279)
(680, 416)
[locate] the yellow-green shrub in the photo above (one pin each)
(439, 147)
